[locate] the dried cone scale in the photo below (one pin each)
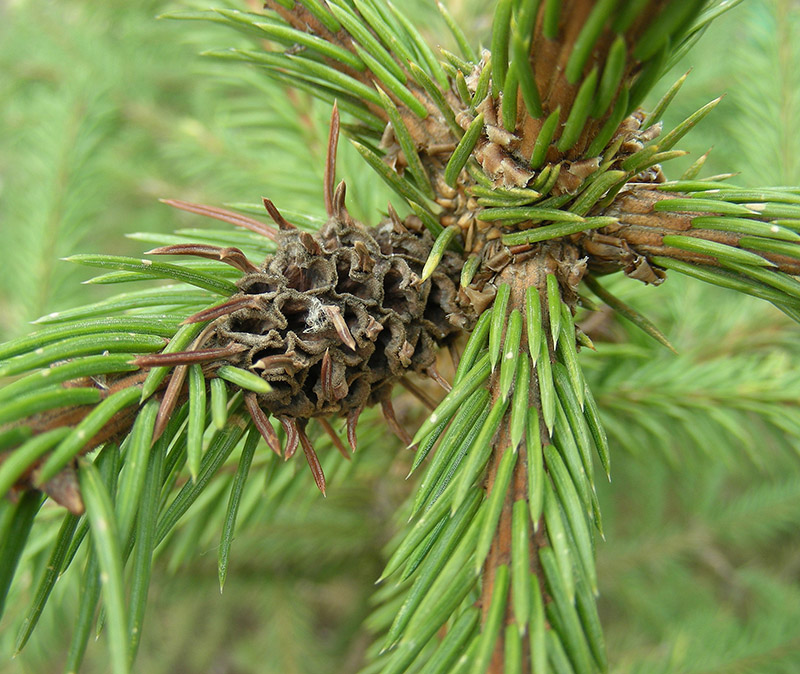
(334, 318)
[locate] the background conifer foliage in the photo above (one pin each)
(443, 264)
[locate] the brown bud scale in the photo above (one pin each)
(343, 313)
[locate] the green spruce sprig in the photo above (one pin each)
(507, 513)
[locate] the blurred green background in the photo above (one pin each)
(106, 109)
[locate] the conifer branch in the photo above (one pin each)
(523, 174)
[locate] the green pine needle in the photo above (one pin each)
(628, 312)
(105, 537)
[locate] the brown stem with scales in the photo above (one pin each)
(639, 232)
(519, 277)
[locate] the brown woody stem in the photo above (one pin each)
(641, 230)
(531, 272)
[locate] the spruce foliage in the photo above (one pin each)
(154, 433)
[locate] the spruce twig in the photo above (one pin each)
(537, 160)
